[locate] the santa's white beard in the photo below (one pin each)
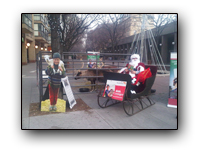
(134, 63)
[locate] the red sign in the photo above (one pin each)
(115, 89)
(119, 92)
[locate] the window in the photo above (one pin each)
(27, 19)
(49, 38)
(41, 27)
(36, 16)
(42, 17)
(39, 30)
(29, 16)
(36, 33)
(35, 26)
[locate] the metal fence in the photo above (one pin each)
(41, 65)
(73, 62)
(108, 61)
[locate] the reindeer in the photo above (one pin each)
(93, 72)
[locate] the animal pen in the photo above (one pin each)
(75, 63)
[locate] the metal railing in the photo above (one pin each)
(40, 68)
(82, 58)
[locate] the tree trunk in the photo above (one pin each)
(55, 38)
(55, 42)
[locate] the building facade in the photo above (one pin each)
(135, 22)
(167, 43)
(35, 36)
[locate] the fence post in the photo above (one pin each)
(37, 69)
(96, 82)
(40, 78)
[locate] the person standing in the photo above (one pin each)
(55, 73)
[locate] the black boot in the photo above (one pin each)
(153, 91)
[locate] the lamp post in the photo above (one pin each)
(27, 46)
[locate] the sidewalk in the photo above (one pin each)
(158, 116)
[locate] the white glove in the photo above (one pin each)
(120, 71)
(59, 71)
(133, 81)
(54, 71)
(138, 84)
(133, 92)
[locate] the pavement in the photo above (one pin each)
(157, 116)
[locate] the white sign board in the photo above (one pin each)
(68, 91)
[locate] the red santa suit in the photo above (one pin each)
(141, 74)
(134, 65)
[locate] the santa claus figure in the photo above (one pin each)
(133, 68)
